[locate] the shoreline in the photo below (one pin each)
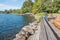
(27, 30)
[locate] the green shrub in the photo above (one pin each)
(59, 11)
(38, 16)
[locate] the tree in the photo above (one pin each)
(51, 6)
(37, 6)
(27, 6)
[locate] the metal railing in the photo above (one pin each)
(46, 32)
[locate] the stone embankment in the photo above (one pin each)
(27, 31)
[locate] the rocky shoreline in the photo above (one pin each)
(27, 31)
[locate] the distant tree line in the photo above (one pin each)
(49, 6)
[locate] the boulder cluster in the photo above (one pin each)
(27, 31)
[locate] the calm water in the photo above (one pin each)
(11, 24)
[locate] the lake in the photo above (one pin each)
(11, 24)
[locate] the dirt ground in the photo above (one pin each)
(55, 21)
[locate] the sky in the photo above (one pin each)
(10, 4)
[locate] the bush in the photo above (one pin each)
(38, 16)
(59, 11)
